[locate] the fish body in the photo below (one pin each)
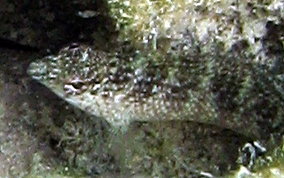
(217, 63)
(218, 88)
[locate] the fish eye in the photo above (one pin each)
(73, 45)
(77, 84)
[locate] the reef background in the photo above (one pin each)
(41, 135)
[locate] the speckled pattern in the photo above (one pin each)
(231, 77)
(215, 88)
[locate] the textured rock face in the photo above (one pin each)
(51, 24)
(229, 20)
(256, 26)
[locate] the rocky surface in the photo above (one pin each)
(51, 24)
(38, 128)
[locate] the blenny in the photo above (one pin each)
(213, 86)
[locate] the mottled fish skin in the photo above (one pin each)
(219, 88)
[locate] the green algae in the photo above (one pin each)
(148, 22)
(39, 169)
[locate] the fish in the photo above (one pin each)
(216, 87)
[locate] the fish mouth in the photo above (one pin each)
(37, 70)
(40, 69)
